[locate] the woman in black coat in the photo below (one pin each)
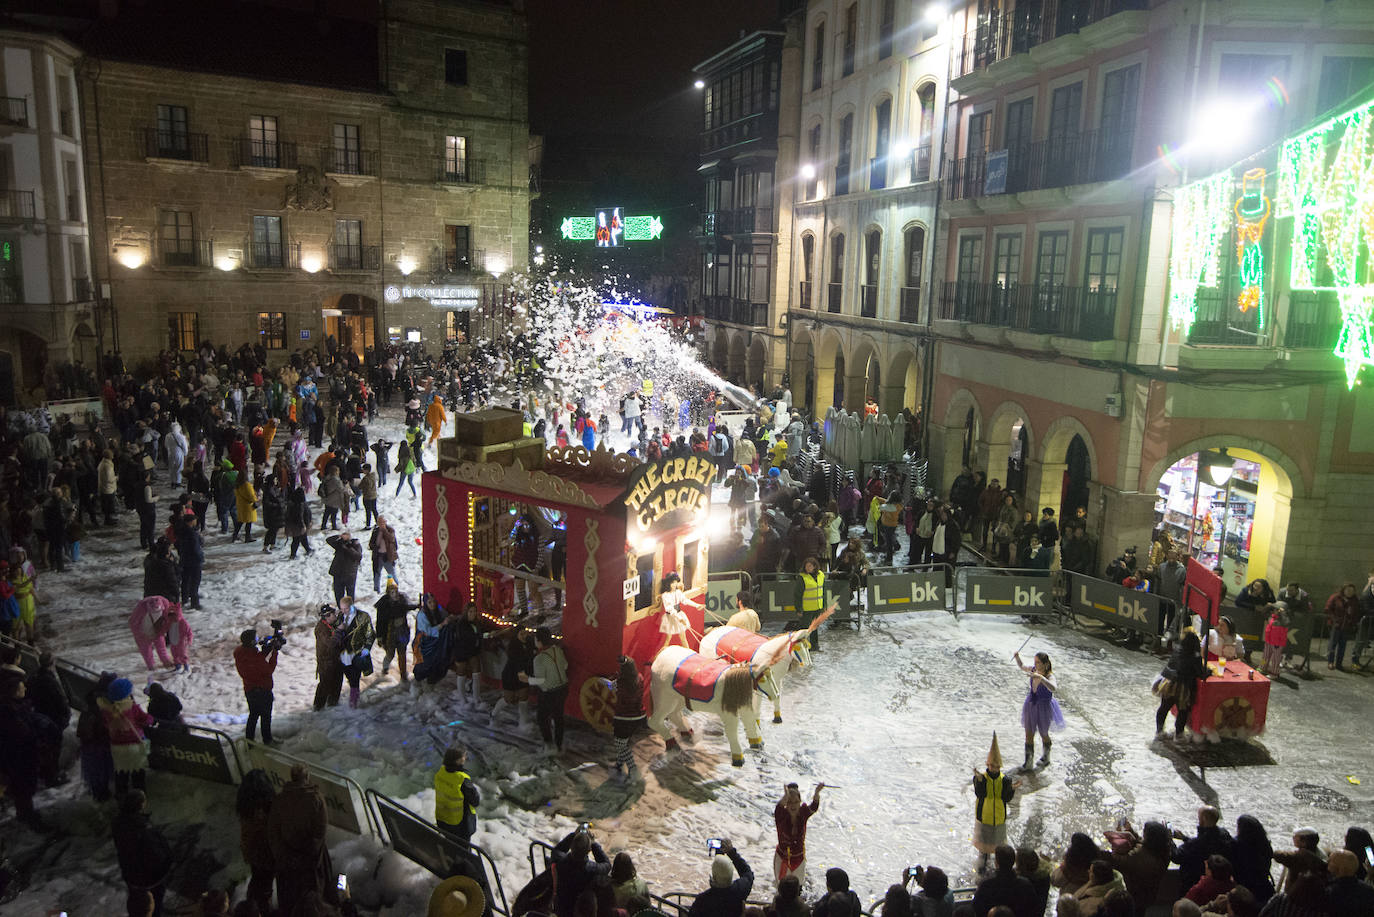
(273, 512)
(1181, 674)
(161, 572)
(298, 521)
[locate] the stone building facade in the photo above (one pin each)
(368, 186)
(46, 295)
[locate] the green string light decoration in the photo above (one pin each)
(1252, 215)
(1324, 177)
(1202, 217)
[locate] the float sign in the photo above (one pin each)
(662, 493)
(914, 591)
(1008, 595)
(1113, 604)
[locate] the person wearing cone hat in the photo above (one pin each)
(992, 790)
(457, 896)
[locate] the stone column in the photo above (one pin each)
(855, 388)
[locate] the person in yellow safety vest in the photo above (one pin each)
(777, 453)
(810, 596)
(456, 797)
(992, 790)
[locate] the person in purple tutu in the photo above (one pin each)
(1040, 712)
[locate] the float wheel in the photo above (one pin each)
(597, 701)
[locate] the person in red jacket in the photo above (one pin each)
(255, 666)
(1343, 617)
(790, 817)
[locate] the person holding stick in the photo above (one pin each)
(1040, 711)
(790, 817)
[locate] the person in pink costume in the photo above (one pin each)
(149, 623)
(178, 638)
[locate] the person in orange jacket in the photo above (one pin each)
(435, 417)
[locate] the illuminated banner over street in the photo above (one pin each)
(610, 228)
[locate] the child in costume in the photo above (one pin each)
(1275, 639)
(24, 579)
(178, 636)
(9, 605)
(125, 720)
(1040, 712)
(992, 790)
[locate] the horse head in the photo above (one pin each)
(800, 646)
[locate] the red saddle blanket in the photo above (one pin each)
(696, 676)
(740, 645)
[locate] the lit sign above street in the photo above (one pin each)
(447, 297)
(610, 228)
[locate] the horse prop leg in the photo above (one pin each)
(731, 723)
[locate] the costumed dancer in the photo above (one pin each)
(178, 636)
(1040, 712)
(790, 817)
(24, 579)
(125, 721)
(149, 623)
(673, 622)
(992, 790)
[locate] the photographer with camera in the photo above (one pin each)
(728, 891)
(256, 660)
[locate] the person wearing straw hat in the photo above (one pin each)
(457, 896)
(992, 790)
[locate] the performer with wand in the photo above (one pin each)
(1040, 712)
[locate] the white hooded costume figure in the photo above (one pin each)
(175, 444)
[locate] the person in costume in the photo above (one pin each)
(790, 817)
(1040, 712)
(992, 790)
(673, 622)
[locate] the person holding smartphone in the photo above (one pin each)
(731, 882)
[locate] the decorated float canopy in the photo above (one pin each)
(627, 524)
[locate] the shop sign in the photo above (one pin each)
(910, 591)
(669, 487)
(188, 754)
(464, 296)
(1113, 604)
(1008, 595)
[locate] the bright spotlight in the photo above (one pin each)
(405, 264)
(699, 84)
(496, 265)
(311, 263)
(130, 257)
(936, 12)
(646, 545)
(1221, 125)
(808, 171)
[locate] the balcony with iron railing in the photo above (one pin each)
(339, 160)
(910, 305)
(739, 311)
(462, 171)
(14, 112)
(17, 206)
(999, 35)
(868, 300)
(804, 294)
(920, 164)
(164, 144)
(187, 252)
(458, 261)
(1064, 311)
(344, 257)
(834, 297)
(255, 153)
(1313, 321)
(1075, 159)
(269, 255)
(82, 290)
(750, 220)
(755, 128)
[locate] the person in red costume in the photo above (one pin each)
(791, 816)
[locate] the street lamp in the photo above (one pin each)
(1219, 466)
(935, 12)
(699, 84)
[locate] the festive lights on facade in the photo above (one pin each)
(1201, 221)
(1252, 214)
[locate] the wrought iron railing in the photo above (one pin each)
(804, 294)
(868, 300)
(462, 171)
(999, 35)
(344, 257)
(1219, 321)
(1074, 159)
(164, 144)
(920, 164)
(344, 160)
(82, 290)
(911, 305)
(256, 153)
(834, 297)
(11, 289)
(187, 252)
(1314, 319)
(458, 261)
(1066, 311)
(286, 255)
(16, 205)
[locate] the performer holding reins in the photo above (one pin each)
(1040, 712)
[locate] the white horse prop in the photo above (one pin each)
(681, 679)
(771, 656)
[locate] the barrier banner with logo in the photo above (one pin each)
(77, 682)
(778, 600)
(187, 753)
(423, 843)
(915, 590)
(719, 599)
(338, 799)
(1008, 595)
(1113, 604)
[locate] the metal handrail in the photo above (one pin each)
(371, 816)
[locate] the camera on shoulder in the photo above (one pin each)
(276, 641)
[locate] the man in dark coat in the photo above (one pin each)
(45, 692)
(1191, 855)
(145, 859)
(348, 554)
(578, 861)
(765, 548)
(25, 735)
(295, 831)
(191, 548)
(728, 891)
(1005, 887)
(161, 575)
(839, 900)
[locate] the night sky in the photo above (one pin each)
(625, 66)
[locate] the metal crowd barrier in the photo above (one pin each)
(1007, 591)
(338, 789)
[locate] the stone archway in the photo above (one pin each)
(902, 384)
(720, 352)
(1067, 442)
(1008, 424)
(801, 369)
(830, 367)
(957, 437)
(735, 367)
(863, 377)
(85, 348)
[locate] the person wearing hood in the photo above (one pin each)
(145, 859)
(164, 707)
(178, 633)
(328, 668)
(149, 624)
(126, 721)
(435, 418)
(174, 443)
(731, 882)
